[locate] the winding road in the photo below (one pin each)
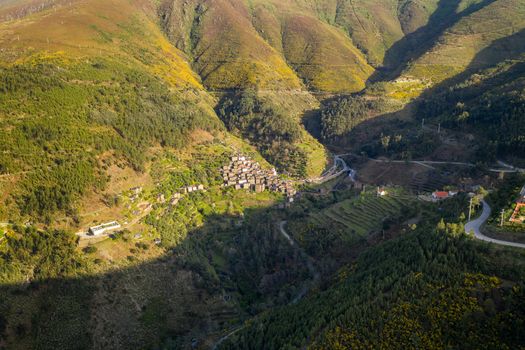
(475, 227)
(304, 290)
(333, 172)
(309, 263)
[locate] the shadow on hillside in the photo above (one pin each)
(507, 48)
(311, 119)
(413, 45)
(220, 274)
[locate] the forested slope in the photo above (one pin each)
(431, 288)
(75, 85)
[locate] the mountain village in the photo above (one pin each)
(241, 173)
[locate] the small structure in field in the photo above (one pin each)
(518, 216)
(193, 188)
(381, 192)
(136, 190)
(175, 198)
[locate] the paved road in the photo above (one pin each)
(507, 168)
(223, 339)
(475, 226)
(285, 234)
(333, 172)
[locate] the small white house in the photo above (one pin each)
(381, 192)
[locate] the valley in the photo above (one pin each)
(226, 174)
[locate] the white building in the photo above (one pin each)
(101, 229)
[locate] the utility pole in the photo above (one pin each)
(502, 214)
(439, 128)
(470, 208)
(423, 123)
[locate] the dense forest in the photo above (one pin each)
(77, 112)
(341, 116)
(433, 287)
(490, 102)
(268, 127)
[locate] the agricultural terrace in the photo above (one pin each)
(353, 219)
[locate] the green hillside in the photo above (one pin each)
(459, 46)
(80, 87)
(263, 45)
(489, 103)
(432, 288)
(268, 168)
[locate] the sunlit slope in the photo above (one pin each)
(323, 56)
(112, 29)
(85, 84)
(267, 45)
(227, 52)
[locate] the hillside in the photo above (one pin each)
(76, 85)
(432, 287)
(94, 84)
(480, 36)
(468, 53)
(262, 174)
(264, 45)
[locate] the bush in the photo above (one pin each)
(90, 249)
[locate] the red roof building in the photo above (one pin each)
(440, 195)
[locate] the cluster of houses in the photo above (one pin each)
(244, 173)
(185, 190)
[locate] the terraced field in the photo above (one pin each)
(428, 182)
(364, 214)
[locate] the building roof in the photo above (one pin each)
(440, 194)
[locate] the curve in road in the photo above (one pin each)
(475, 227)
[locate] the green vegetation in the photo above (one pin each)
(490, 103)
(270, 129)
(39, 254)
(429, 288)
(97, 98)
(323, 231)
(75, 112)
(504, 198)
(341, 116)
